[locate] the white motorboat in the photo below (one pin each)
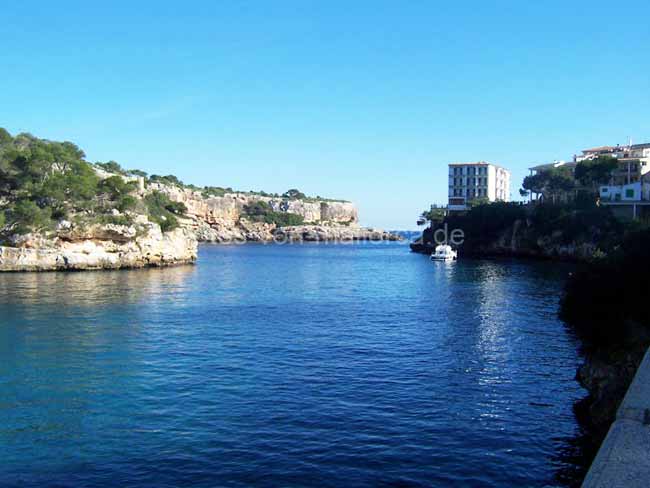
(444, 253)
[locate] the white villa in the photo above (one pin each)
(629, 191)
(480, 180)
(629, 188)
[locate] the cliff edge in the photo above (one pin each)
(101, 247)
(60, 212)
(236, 217)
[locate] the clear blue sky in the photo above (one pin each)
(364, 100)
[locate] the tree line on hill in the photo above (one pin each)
(44, 182)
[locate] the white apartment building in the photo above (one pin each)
(482, 180)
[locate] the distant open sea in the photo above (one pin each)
(288, 365)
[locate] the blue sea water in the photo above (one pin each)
(287, 365)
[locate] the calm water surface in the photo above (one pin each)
(295, 365)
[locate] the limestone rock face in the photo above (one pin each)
(222, 219)
(228, 209)
(101, 247)
(219, 219)
(313, 233)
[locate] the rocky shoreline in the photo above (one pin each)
(606, 373)
(520, 240)
(85, 216)
(267, 233)
(143, 243)
(101, 247)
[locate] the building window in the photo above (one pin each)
(629, 193)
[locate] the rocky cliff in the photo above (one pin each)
(58, 211)
(223, 219)
(512, 230)
(522, 239)
(100, 246)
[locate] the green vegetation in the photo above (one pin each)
(484, 223)
(43, 182)
(478, 201)
(123, 219)
(583, 183)
(596, 172)
(606, 298)
(218, 191)
(26, 215)
(112, 167)
(167, 180)
(568, 224)
(481, 224)
(215, 191)
(137, 172)
(261, 211)
(294, 194)
(5, 137)
(552, 183)
(118, 191)
(577, 222)
(164, 211)
(434, 216)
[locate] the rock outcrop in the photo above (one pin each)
(222, 219)
(314, 233)
(100, 247)
(58, 212)
(606, 374)
(522, 240)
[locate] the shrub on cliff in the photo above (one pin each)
(481, 225)
(294, 194)
(577, 222)
(260, 211)
(137, 172)
(5, 137)
(116, 187)
(112, 167)
(285, 219)
(167, 180)
(26, 216)
(215, 191)
(43, 180)
(117, 193)
(484, 223)
(163, 211)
